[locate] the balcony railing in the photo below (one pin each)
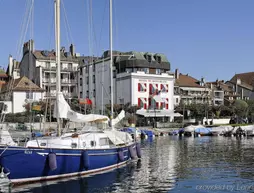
(68, 81)
(69, 69)
(53, 68)
(49, 80)
(63, 81)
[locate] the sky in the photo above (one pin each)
(213, 39)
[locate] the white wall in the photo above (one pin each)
(127, 87)
(19, 99)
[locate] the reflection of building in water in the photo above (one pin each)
(157, 172)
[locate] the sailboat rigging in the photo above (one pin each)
(73, 153)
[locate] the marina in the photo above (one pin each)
(170, 164)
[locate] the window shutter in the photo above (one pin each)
(157, 105)
(139, 85)
(139, 101)
(151, 89)
(145, 104)
(145, 87)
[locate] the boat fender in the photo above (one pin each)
(138, 149)
(85, 159)
(132, 152)
(52, 161)
(120, 155)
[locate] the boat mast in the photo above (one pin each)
(58, 63)
(111, 60)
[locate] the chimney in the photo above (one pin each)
(72, 50)
(62, 49)
(10, 65)
(28, 46)
(176, 73)
(202, 81)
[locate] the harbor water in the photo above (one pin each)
(170, 164)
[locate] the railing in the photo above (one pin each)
(65, 81)
(50, 94)
(69, 69)
(49, 80)
(69, 81)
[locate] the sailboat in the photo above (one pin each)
(70, 154)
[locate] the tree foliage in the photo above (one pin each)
(240, 108)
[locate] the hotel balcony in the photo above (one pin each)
(63, 81)
(63, 69)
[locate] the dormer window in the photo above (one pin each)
(159, 59)
(148, 57)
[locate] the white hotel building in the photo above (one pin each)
(137, 77)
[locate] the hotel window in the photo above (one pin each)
(94, 94)
(142, 103)
(153, 104)
(159, 59)
(158, 71)
(149, 58)
(87, 80)
(70, 66)
(146, 70)
(29, 95)
(47, 64)
(142, 87)
(93, 67)
(80, 81)
(93, 78)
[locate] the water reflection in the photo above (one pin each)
(170, 164)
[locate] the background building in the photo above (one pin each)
(191, 90)
(40, 67)
(13, 70)
(242, 84)
(17, 92)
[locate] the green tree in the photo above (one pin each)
(251, 109)
(240, 108)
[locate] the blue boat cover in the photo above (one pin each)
(149, 133)
(203, 130)
(129, 129)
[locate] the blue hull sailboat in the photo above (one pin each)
(27, 164)
(89, 150)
